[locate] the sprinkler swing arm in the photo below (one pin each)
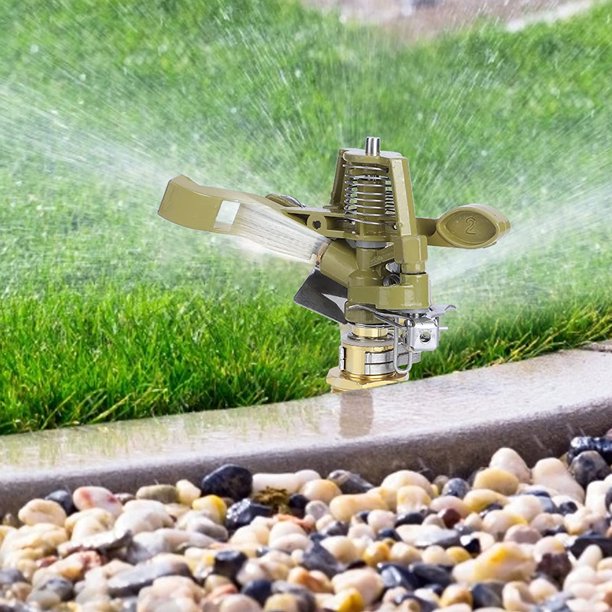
(369, 272)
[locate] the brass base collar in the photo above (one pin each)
(340, 383)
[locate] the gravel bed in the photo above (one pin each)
(508, 538)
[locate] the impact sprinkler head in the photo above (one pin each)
(369, 249)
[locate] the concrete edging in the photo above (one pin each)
(446, 424)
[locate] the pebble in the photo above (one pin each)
(321, 490)
(349, 483)
(343, 507)
(193, 520)
(258, 590)
(64, 499)
(238, 603)
(601, 445)
(553, 473)
(166, 494)
(538, 540)
(211, 505)
(456, 487)
(85, 498)
(130, 581)
(147, 544)
(51, 593)
(187, 492)
(509, 460)
(366, 582)
(503, 561)
(228, 563)
(411, 498)
(243, 512)
(496, 479)
(143, 515)
(42, 511)
(487, 594)
(319, 558)
(289, 482)
(173, 593)
(587, 467)
(228, 480)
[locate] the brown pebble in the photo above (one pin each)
(555, 567)
(450, 517)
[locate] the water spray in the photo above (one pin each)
(369, 251)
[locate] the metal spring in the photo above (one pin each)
(368, 195)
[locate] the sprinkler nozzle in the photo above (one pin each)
(370, 253)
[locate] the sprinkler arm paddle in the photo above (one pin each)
(212, 209)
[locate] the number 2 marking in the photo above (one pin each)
(470, 222)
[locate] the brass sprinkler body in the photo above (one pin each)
(369, 272)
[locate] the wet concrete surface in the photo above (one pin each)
(447, 424)
(414, 20)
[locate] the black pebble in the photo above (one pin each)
(316, 537)
(228, 563)
(457, 487)
(586, 539)
(361, 517)
(383, 534)
(471, 544)
(64, 499)
(350, 483)
(243, 512)
(409, 518)
(228, 481)
(487, 595)
(587, 467)
(297, 504)
(567, 507)
(337, 528)
(397, 575)
(259, 590)
(317, 557)
(555, 567)
(430, 575)
(585, 443)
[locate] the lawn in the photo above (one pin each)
(109, 312)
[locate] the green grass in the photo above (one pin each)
(108, 312)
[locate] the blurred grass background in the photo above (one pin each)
(109, 312)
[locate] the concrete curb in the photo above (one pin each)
(447, 424)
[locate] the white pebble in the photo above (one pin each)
(187, 492)
(552, 473)
(366, 581)
(42, 511)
